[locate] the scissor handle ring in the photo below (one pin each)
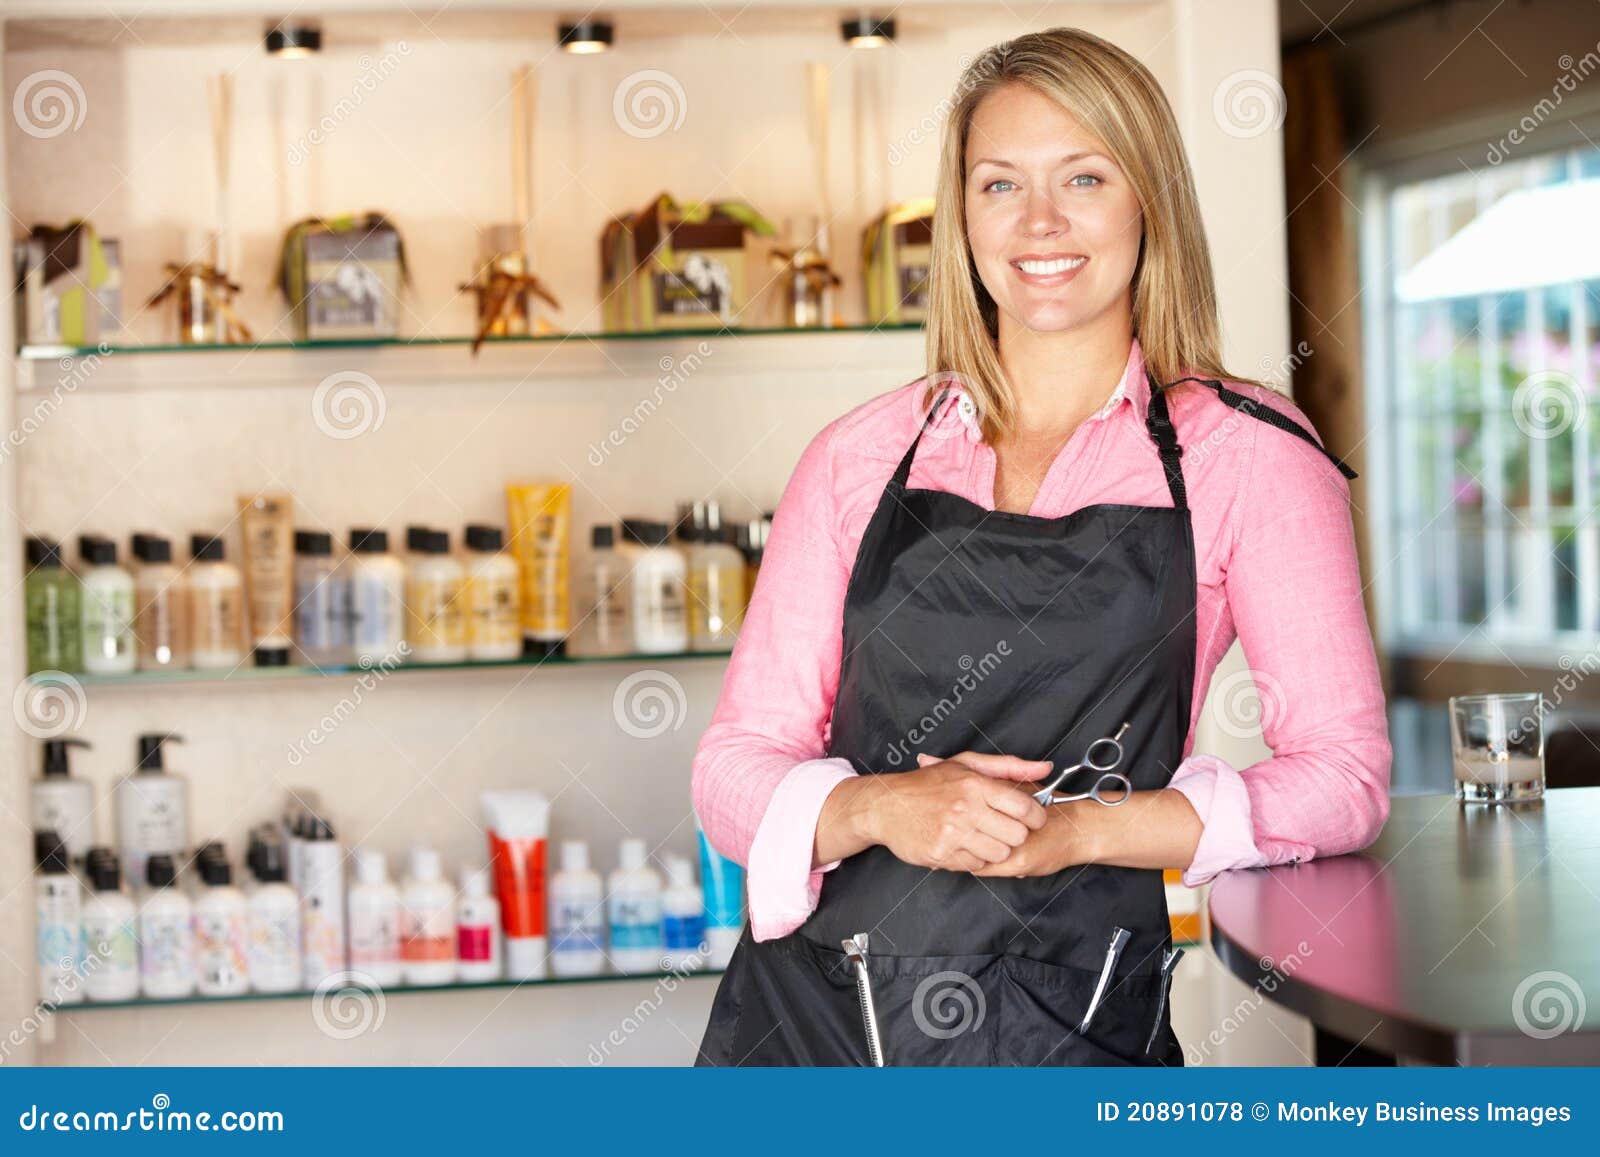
(1091, 761)
(1119, 782)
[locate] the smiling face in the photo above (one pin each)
(1053, 223)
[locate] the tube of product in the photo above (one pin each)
(538, 515)
(722, 880)
(267, 520)
(519, 825)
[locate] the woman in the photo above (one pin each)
(1051, 540)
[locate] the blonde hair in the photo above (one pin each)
(1115, 98)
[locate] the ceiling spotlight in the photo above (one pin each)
(585, 37)
(865, 32)
(293, 41)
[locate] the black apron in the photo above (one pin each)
(971, 629)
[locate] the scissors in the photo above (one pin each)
(1102, 755)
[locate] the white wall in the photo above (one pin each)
(166, 443)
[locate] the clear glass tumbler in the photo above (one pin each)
(1498, 746)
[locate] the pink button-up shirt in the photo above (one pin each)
(1276, 564)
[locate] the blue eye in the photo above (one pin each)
(996, 181)
(1089, 176)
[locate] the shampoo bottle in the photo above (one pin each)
(606, 627)
(477, 927)
(161, 606)
(494, 618)
(435, 627)
(376, 599)
(374, 917)
(577, 915)
(274, 914)
(216, 607)
(54, 606)
(58, 922)
(221, 930)
(108, 646)
(321, 635)
(427, 923)
(62, 804)
(152, 807)
(110, 949)
(683, 917)
(166, 934)
(634, 906)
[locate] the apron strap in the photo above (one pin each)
(1158, 420)
(1272, 418)
(903, 472)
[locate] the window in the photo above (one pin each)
(1484, 403)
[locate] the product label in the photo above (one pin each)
(319, 616)
(703, 287)
(683, 932)
(374, 938)
(109, 946)
(636, 922)
(219, 943)
(576, 926)
(53, 627)
(275, 945)
(434, 613)
(166, 945)
(427, 935)
(217, 618)
(107, 622)
(474, 944)
(376, 612)
(494, 614)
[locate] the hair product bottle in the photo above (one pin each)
(321, 902)
(606, 627)
(427, 923)
(58, 922)
(216, 607)
(108, 643)
(110, 948)
(634, 905)
(374, 915)
(320, 604)
(683, 917)
(657, 581)
(54, 602)
(267, 531)
(477, 928)
(494, 621)
(274, 915)
(716, 580)
(166, 934)
(161, 612)
(221, 930)
(436, 628)
(62, 804)
(152, 807)
(577, 915)
(376, 599)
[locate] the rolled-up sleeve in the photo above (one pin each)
(1294, 593)
(760, 776)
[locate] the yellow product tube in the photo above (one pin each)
(267, 525)
(538, 517)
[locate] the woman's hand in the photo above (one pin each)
(958, 814)
(1064, 840)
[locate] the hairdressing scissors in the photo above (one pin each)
(1103, 755)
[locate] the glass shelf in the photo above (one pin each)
(248, 674)
(51, 352)
(387, 990)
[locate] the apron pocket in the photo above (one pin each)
(1043, 1004)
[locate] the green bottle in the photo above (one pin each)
(53, 609)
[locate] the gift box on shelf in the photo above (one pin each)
(68, 285)
(343, 276)
(896, 247)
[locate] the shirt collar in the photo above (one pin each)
(1133, 389)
